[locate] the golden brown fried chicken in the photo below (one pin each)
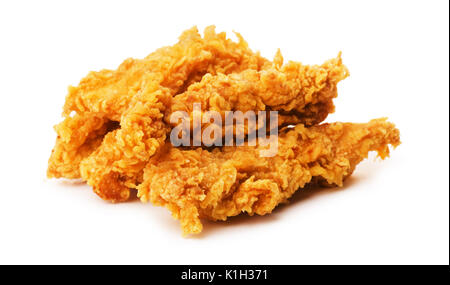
(116, 126)
(304, 93)
(202, 184)
(78, 137)
(303, 90)
(174, 67)
(105, 95)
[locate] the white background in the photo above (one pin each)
(391, 212)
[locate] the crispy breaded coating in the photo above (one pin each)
(78, 137)
(295, 88)
(303, 90)
(107, 94)
(202, 184)
(117, 124)
(304, 93)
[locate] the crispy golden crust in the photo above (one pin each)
(140, 92)
(303, 90)
(116, 124)
(78, 137)
(110, 92)
(107, 94)
(196, 184)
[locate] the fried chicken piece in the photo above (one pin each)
(105, 95)
(175, 67)
(125, 152)
(293, 88)
(112, 168)
(201, 184)
(302, 93)
(78, 137)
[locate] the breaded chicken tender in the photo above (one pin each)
(203, 184)
(107, 94)
(303, 90)
(116, 132)
(303, 93)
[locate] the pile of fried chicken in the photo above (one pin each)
(115, 132)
